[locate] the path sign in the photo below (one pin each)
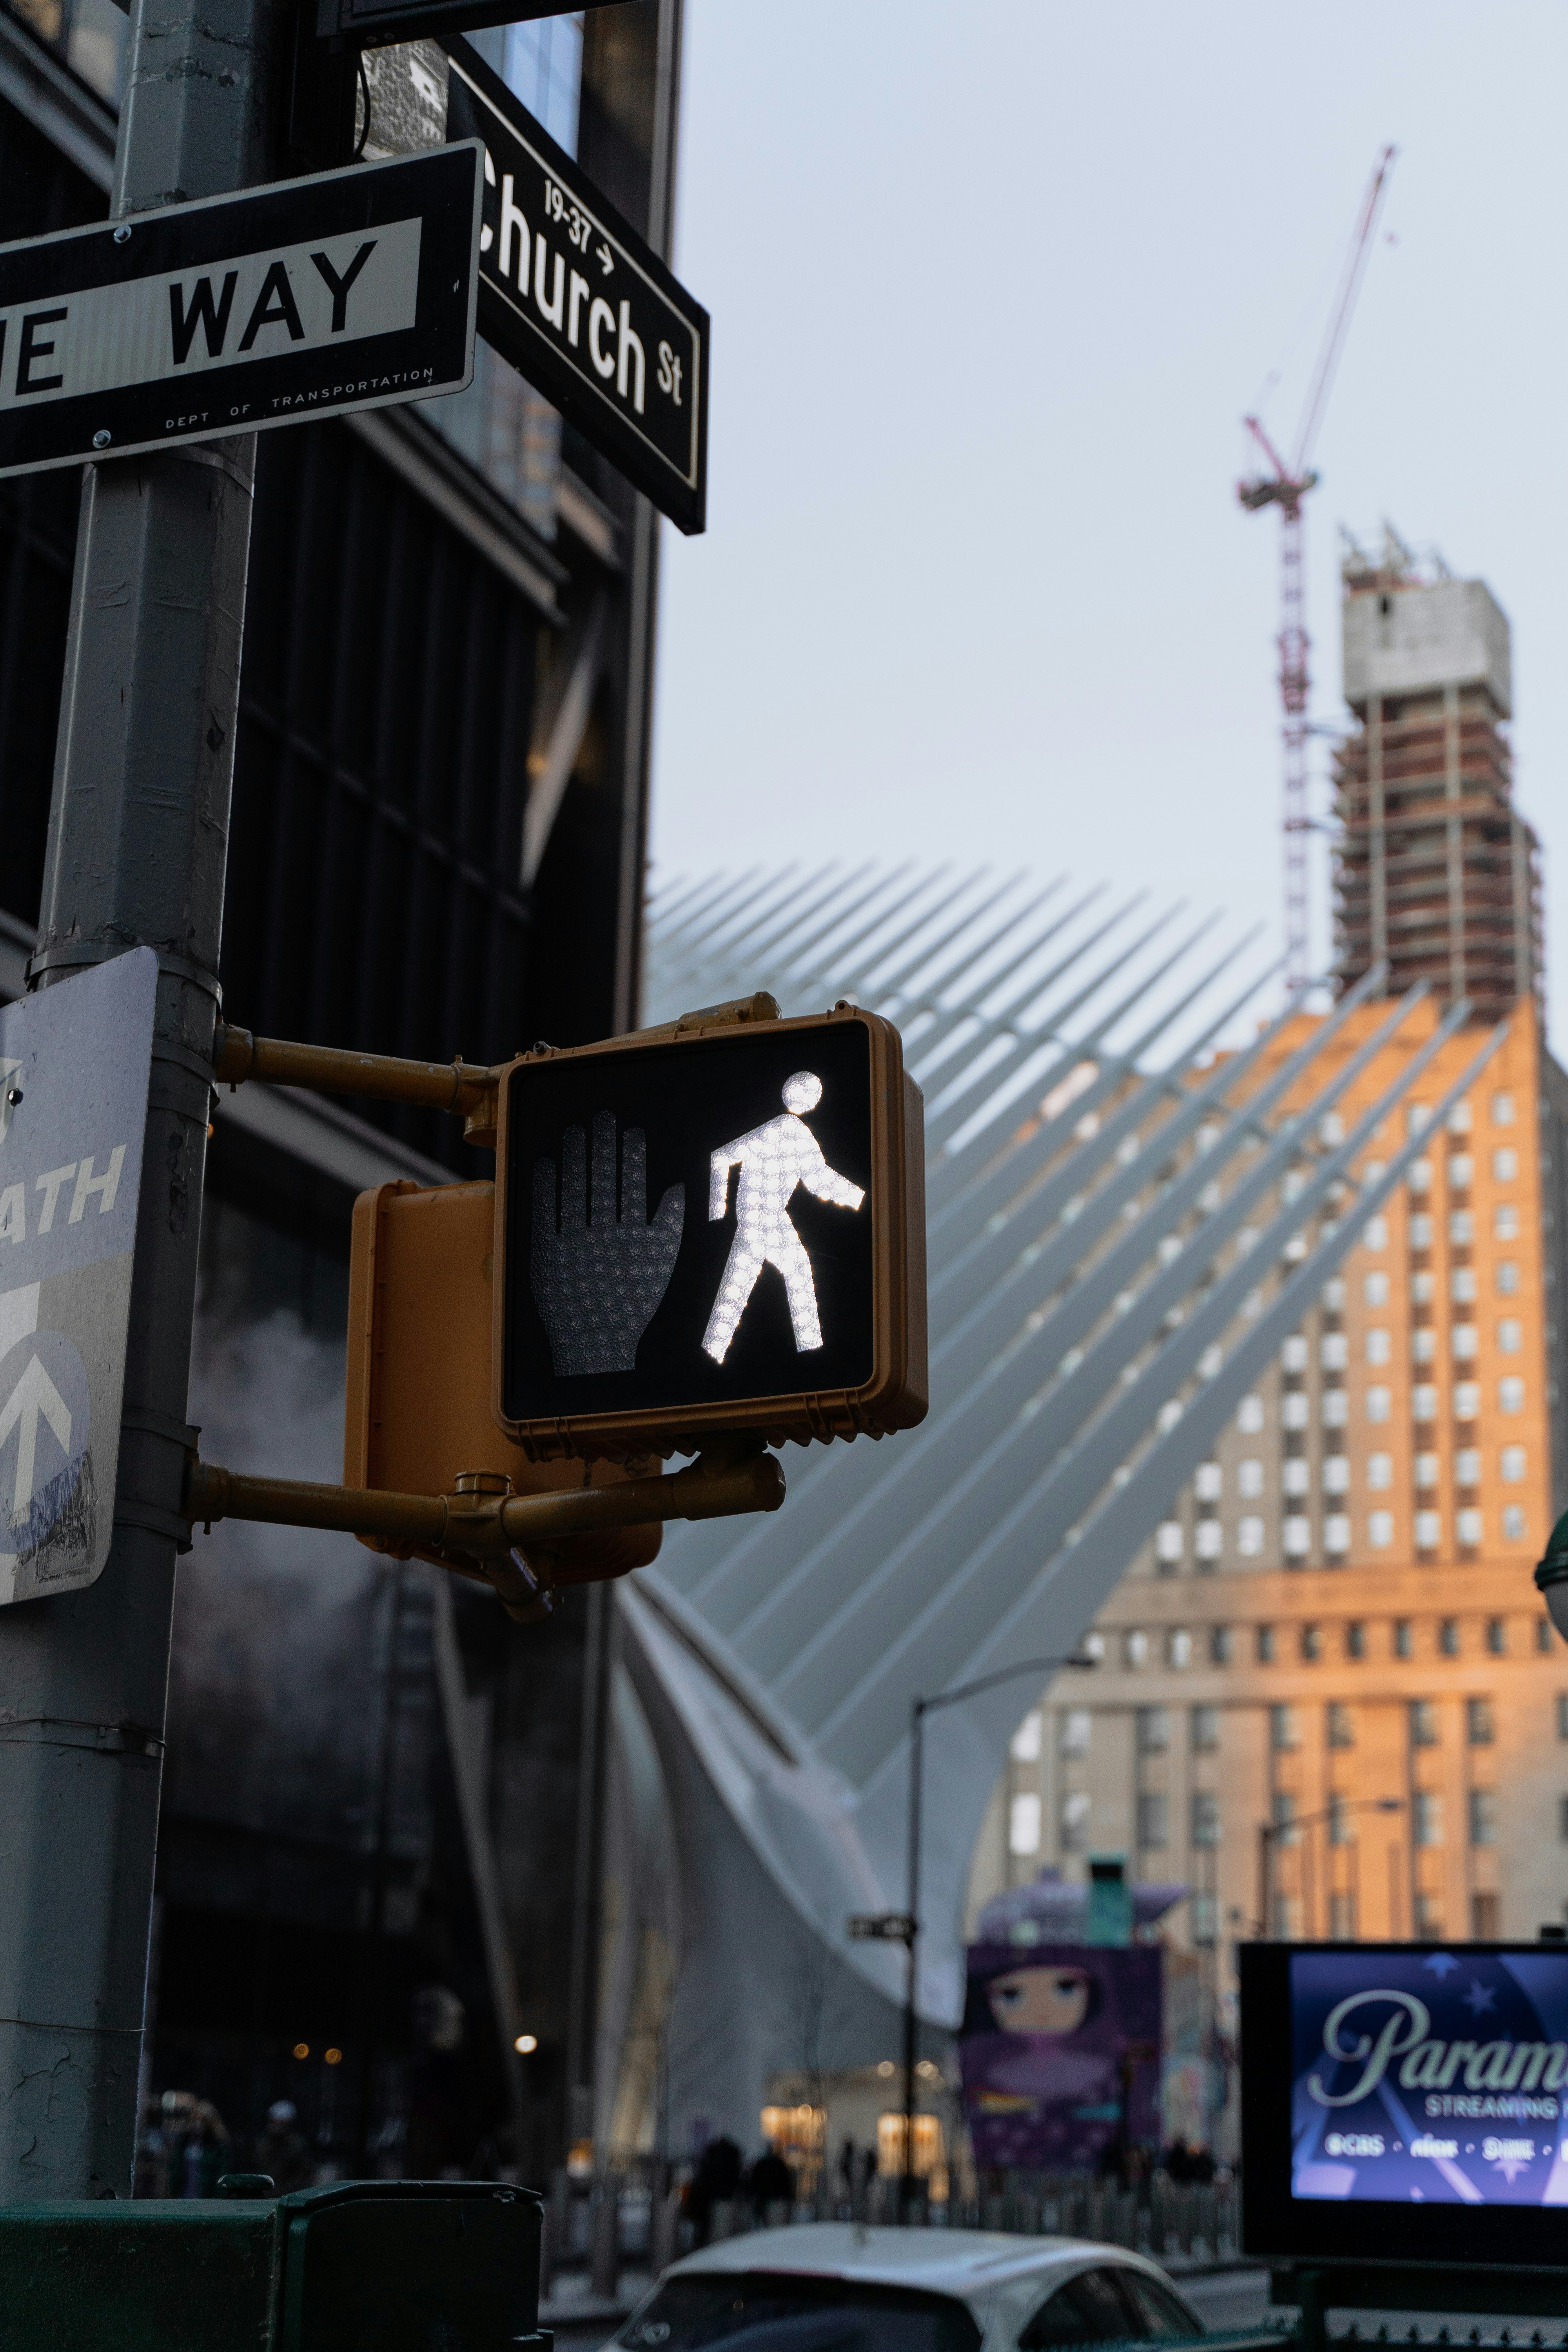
(343, 291)
(721, 1229)
(74, 1066)
(572, 296)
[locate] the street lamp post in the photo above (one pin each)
(1268, 1830)
(919, 1709)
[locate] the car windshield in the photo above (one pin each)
(770, 2311)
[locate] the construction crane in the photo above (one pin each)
(1285, 486)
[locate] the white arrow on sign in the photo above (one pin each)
(7, 1072)
(34, 1393)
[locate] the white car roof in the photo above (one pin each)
(981, 2268)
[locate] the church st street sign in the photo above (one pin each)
(572, 296)
(348, 289)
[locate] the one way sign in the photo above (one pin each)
(350, 290)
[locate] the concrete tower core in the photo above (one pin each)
(1434, 868)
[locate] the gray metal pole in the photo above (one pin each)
(138, 845)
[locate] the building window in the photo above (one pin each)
(1404, 1645)
(1506, 1276)
(1208, 1484)
(1427, 1817)
(1428, 1531)
(1284, 1728)
(1337, 1534)
(1380, 1530)
(1219, 1645)
(1483, 1919)
(1025, 1745)
(1379, 1346)
(1377, 1404)
(1283, 1813)
(1295, 1409)
(1421, 1233)
(1483, 1817)
(1468, 1527)
(1298, 1536)
(1375, 1237)
(1293, 1354)
(1153, 1730)
(1424, 1344)
(1265, 1646)
(1379, 1472)
(1419, 1175)
(1296, 1476)
(1205, 1729)
(1135, 1649)
(1514, 1523)
(1449, 1637)
(1179, 1647)
(1512, 1465)
(1341, 1725)
(1335, 1352)
(1480, 1728)
(1208, 1538)
(1355, 1639)
(1468, 1465)
(1287, 1921)
(1461, 1167)
(1249, 1416)
(1542, 1628)
(1075, 1821)
(1510, 1336)
(1250, 1537)
(1423, 1402)
(1497, 1637)
(1505, 1222)
(1250, 1477)
(1205, 1817)
(1428, 1918)
(1336, 1473)
(1311, 1645)
(1467, 1400)
(1332, 1405)
(1426, 1469)
(1462, 1285)
(1339, 1824)
(1423, 1723)
(1423, 1288)
(1511, 1393)
(1374, 1288)
(1562, 1715)
(1463, 1341)
(1342, 1916)
(1024, 1824)
(1461, 1228)
(1076, 1725)
(1505, 1165)
(1502, 1110)
(1151, 1814)
(1205, 1917)
(1168, 1542)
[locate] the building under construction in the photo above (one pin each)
(1436, 873)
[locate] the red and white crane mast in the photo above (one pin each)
(1284, 486)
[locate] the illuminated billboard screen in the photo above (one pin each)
(1420, 2076)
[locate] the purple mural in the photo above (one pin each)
(1046, 2030)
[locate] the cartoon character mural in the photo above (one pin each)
(1045, 2031)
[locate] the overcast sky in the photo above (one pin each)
(991, 288)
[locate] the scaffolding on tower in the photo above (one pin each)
(1284, 486)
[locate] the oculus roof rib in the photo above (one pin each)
(1109, 1221)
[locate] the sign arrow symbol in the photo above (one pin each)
(34, 1394)
(607, 258)
(7, 1072)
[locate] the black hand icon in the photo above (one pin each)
(598, 1279)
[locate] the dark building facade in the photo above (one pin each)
(381, 1797)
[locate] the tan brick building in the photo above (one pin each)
(1335, 1636)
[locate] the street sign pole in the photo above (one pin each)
(137, 850)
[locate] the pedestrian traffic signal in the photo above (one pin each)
(719, 1228)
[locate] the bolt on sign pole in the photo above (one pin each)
(137, 850)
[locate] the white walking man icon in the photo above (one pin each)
(772, 1159)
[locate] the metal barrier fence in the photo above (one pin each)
(638, 2221)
